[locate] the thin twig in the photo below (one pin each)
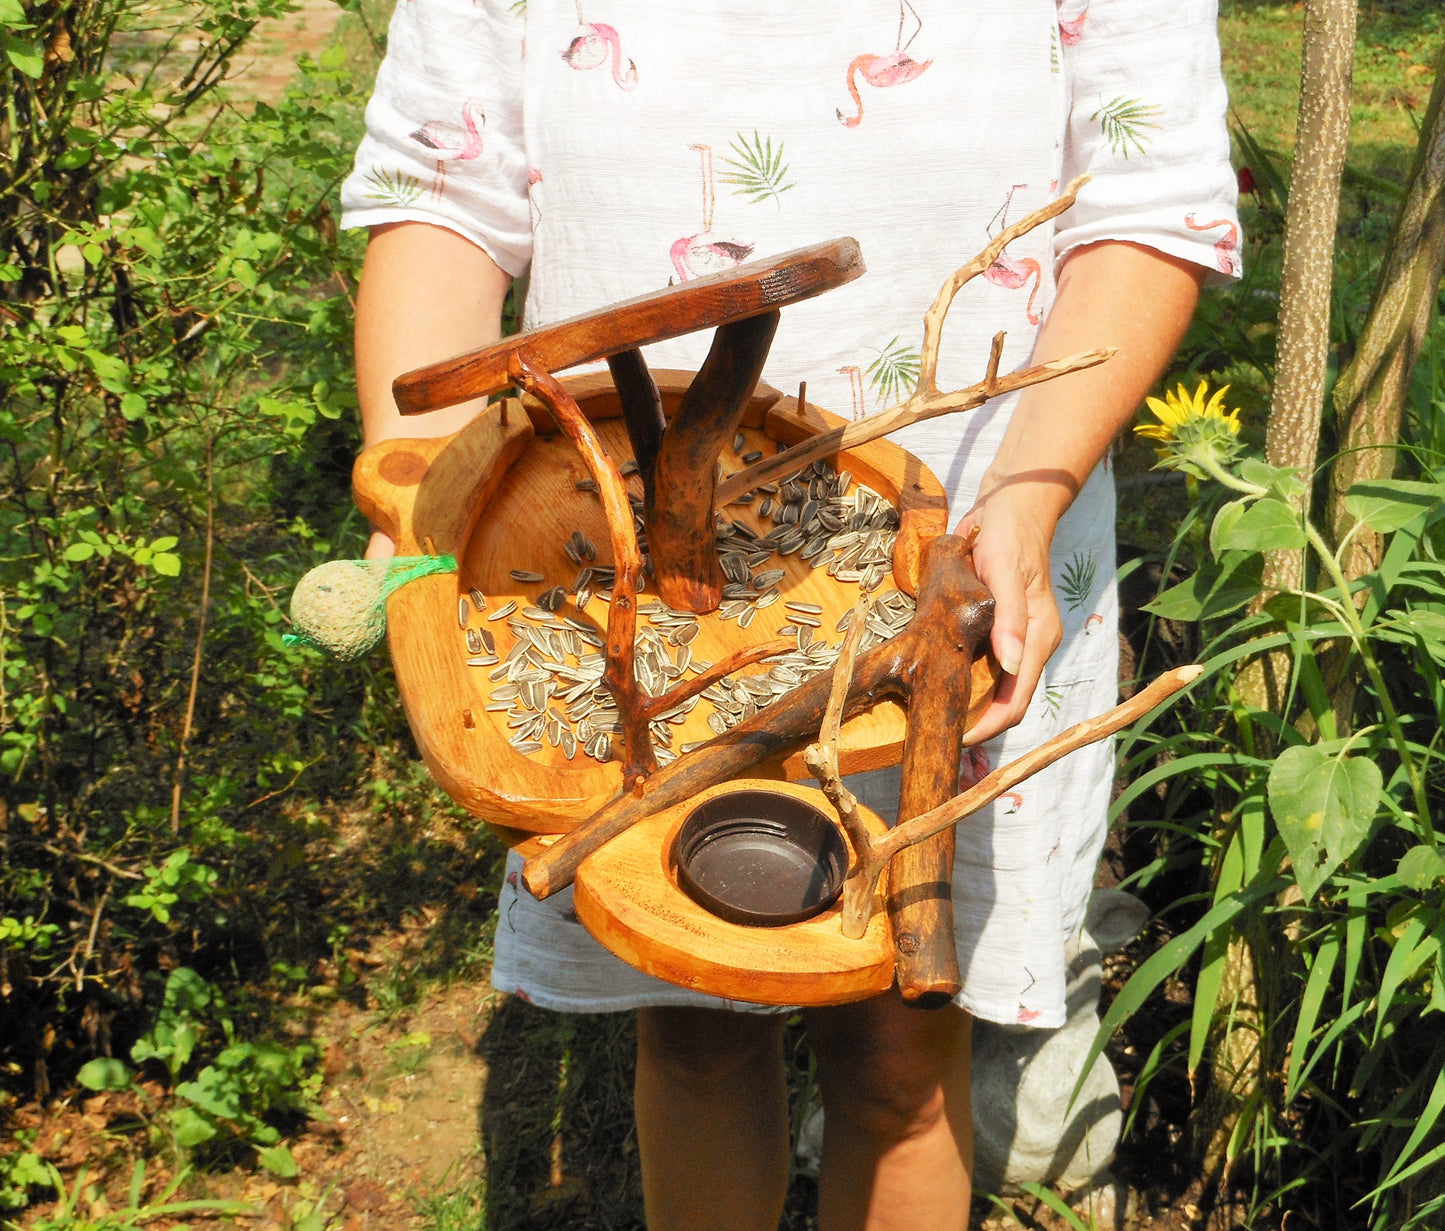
(653, 706)
(200, 645)
(90, 941)
(821, 758)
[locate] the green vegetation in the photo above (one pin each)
(202, 828)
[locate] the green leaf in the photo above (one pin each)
(1385, 505)
(79, 551)
(278, 1161)
(1323, 805)
(191, 1128)
(166, 564)
(12, 14)
(165, 543)
(332, 58)
(1266, 525)
(132, 406)
(28, 57)
(1421, 867)
(1215, 590)
(103, 1073)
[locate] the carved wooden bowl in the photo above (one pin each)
(501, 495)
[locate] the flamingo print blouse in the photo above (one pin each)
(610, 147)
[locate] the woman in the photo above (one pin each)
(606, 152)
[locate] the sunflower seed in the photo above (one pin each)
(462, 612)
(504, 610)
(479, 600)
(628, 467)
(521, 574)
(739, 443)
(483, 660)
(474, 641)
(586, 485)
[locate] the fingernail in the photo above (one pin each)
(1012, 657)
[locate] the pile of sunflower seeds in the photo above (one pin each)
(549, 683)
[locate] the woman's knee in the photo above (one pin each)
(707, 1046)
(894, 1078)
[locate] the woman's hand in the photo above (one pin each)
(1011, 556)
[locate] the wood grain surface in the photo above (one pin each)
(704, 303)
(628, 898)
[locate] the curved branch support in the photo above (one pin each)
(641, 410)
(859, 890)
(653, 706)
(618, 676)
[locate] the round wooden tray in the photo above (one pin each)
(628, 898)
(502, 495)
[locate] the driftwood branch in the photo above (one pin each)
(618, 675)
(679, 503)
(926, 402)
(822, 757)
(859, 890)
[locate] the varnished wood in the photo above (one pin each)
(884, 671)
(678, 508)
(956, 609)
(628, 898)
(546, 793)
(641, 410)
(704, 303)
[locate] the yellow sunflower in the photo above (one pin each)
(1193, 429)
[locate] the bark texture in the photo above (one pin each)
(1370, 395)
(1292, 437)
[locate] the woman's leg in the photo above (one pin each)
(712, 1119)
(898, 1121)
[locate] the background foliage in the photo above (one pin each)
(200, 826)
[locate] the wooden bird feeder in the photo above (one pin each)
(504, 495)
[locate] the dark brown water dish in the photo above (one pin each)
(760, 858)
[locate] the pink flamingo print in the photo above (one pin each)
(1071, 21)
(1226, 248)
(855, 382)
(895, 68)
(1013, 273)
(1093, 622)
(450, 143)
(1012, 802)
(591, 47)
(704, 253)
(534, 177)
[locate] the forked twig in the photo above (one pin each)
(926, 402)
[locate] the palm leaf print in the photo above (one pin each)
(1053, 701)
(518, 8)
(1124, 121)
(756, 169)
(391, 189)
(894, 374)
(1078, 579)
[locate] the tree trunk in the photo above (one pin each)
(1370, 395)
(1292, 437)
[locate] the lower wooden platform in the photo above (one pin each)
(627, 896)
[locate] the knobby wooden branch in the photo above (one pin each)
(735, 661)
(679, 503)
(926, 402)
(858, 891)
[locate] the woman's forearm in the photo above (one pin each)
(1113, 294)
(1110, 294)
(426, 294)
